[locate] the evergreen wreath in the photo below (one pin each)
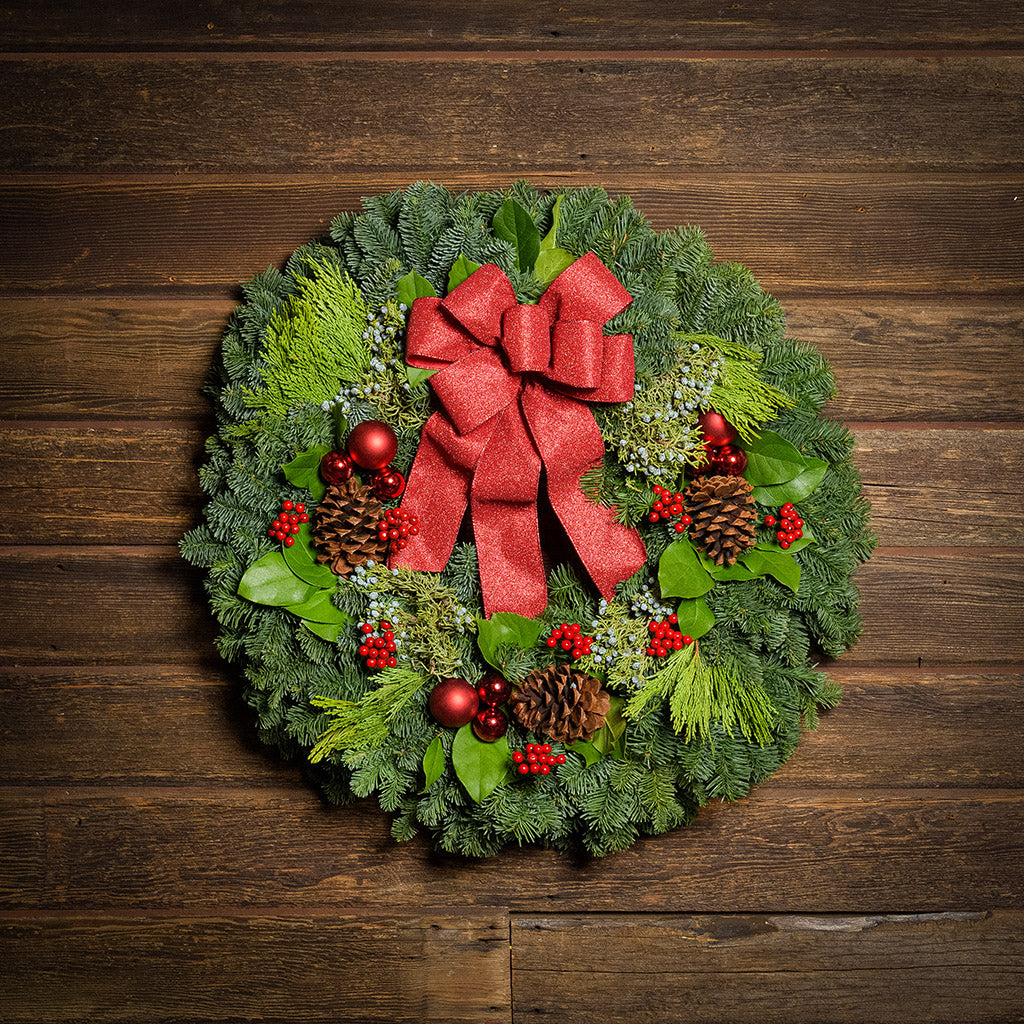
(609, 714)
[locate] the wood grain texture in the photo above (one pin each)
(828, 113)
(798, 233)
(117, 606)
(779, 850)
(357, 967)
(187, 726)
(898, 968)
(146, 358)
(527, 25)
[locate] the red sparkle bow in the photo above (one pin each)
(514, 389)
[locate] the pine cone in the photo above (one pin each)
(560, 703)
(345, 534)
(722, 510)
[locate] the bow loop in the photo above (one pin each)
(526, 339)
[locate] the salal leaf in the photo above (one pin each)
(304, 470)
(481, 767)
(695, 617)
(586, 750)
(271, 581)
(797, 489)
(549, 241)
(325, 630)
(513, 224)
(780, 564)
(771, 459)
(505, 628)
(318, 608)
(413, 287)
(417, 375)
(550, 263)
(462, 268)
(301, 559)
(680, 573)
(433, 763)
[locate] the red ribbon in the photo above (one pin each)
(514, 389)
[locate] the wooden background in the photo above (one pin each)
(156, 864)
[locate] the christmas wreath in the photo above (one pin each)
(522, 517)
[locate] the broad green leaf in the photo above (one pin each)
(603, 741)
(797, 545)
(304, 470)
(613, 721)
(481, 767)
(417, 375)
(301, 559)
(433, 763)
(780, 564)
(413, 287)
(695, 617)
(325, 630)
(797, 489)
(586, 750)
(513, 224)
(270, 581)
(504, 628)
(550, 263)
(680, 573)
(772, 460)
(735, 573)
(549, 240)
(462, 268)
(318, 608)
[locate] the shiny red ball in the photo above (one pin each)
(372, 444)
(336, 467)
(388, 483)
(717, 429)
(494, 689)
(453, 702)
(730, 461)
(490, 724)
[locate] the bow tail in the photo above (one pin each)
(505, 527)
(569, 441)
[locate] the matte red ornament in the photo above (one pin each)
(490, 724)
(372, 444)
(453, 702)
(388, 483)
(494, 689)
(717, 429)
(336, 467)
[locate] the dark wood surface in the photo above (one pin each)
(156, 862)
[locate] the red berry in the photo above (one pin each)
(289, 541)
(304, 518)
(677, 499)
(299, 507)
(532, 756)
(535, 768)
(531, 748)
(293, 529)
(517, 756)
(552, 642)
(653, 517)
(784, 544)
(685, 520)
(371, 662)
(769, 520)
(364, 651)
(673, 618)
(679, 528)
(366, 627)
(676, 509)
(687, 640)
(392, 662)
(566, 645)
(272, 532)
(576, 652)
(280, 535)
(287, 505)
(546, 748)
(545, 769)
(657, 506)
(798, 522)
(780, 535)
(524, 769)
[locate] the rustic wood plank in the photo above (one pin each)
(186, 726)
(788, 969)
(146, 358)
(798, 233)
(528, 25)
(895, 113)
(780, 850)
(146, 473)
(417, 966)
(109, 606)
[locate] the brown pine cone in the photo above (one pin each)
(560, 703)
(723, 514)
(345, 532)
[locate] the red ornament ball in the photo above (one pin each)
(494, 689)
(388, 483)
(453, 702)
(372, 444)
(490, 724)
(336, 467)
(717, 430)
(730, 461)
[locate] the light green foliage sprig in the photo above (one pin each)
(740, 392)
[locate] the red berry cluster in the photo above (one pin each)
(378, 646)
(397, 527)
(666, 638)
(668, 506)
(790, 525)
(538, 759)
(568, 637)
(286, 525)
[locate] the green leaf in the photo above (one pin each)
(797, 489)
(325, 630)
(301, 559)
(481, 767)
(318, 608)
(413, 287)
(549, 240)
(513, 224)
(304, 470)
(780, 564)
(695, 617)
(550, 263)
(735, 573)
(586, 750)
(680, 573)
(270, 581)
(461, 269)
(613, 721)
(797, 545)
(417, 375)
(505, 628)
(433, 763)
(772, 460)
